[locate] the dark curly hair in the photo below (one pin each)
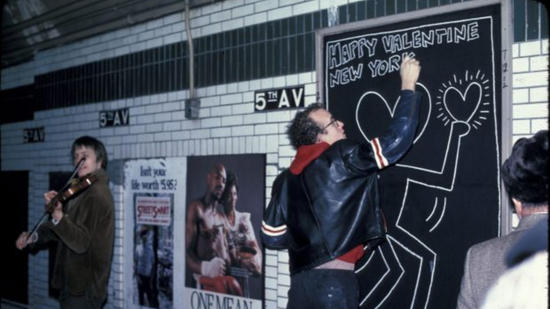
(302, 130)
(525, 172)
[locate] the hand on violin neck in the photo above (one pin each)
(48, 196)
(54, 200)
(53, 204)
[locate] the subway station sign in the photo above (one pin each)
(114, 118)
(34, 135)
(283, 98)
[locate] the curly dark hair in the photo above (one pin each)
(302, 130)
(525, 172)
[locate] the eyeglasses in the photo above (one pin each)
(335, 121)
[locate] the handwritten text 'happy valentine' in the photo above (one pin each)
(340, 54)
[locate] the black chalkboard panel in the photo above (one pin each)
(444, 195)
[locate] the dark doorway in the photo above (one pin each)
(15, 271)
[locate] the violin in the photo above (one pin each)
(77, 185)
(74, 187)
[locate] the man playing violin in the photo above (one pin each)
(83, 227)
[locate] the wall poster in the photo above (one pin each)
(224, 258)
(444, 195)
(154, 200)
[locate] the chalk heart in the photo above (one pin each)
(373, 115)
(462, 106)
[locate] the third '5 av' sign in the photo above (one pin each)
(279, 99)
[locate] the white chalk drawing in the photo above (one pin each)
(342, 54)
(366, 97)
(462, 103)
(449, 108)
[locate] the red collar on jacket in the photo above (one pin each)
(305, 155)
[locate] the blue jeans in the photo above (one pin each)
(323, 289)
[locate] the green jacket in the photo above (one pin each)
(85, 239)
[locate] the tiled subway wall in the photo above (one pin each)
(234, 41)
(530, 88)
(240, 46)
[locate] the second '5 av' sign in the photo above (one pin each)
(114, 118)
(279, 98)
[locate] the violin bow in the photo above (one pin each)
(35, 228)
(76, 169)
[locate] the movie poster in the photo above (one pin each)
(153, 189)
(225, 199)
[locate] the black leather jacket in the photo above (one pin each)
(333, 205)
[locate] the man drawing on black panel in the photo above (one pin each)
(206, 246)
(325, 208)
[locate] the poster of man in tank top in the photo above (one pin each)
(225, 199)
